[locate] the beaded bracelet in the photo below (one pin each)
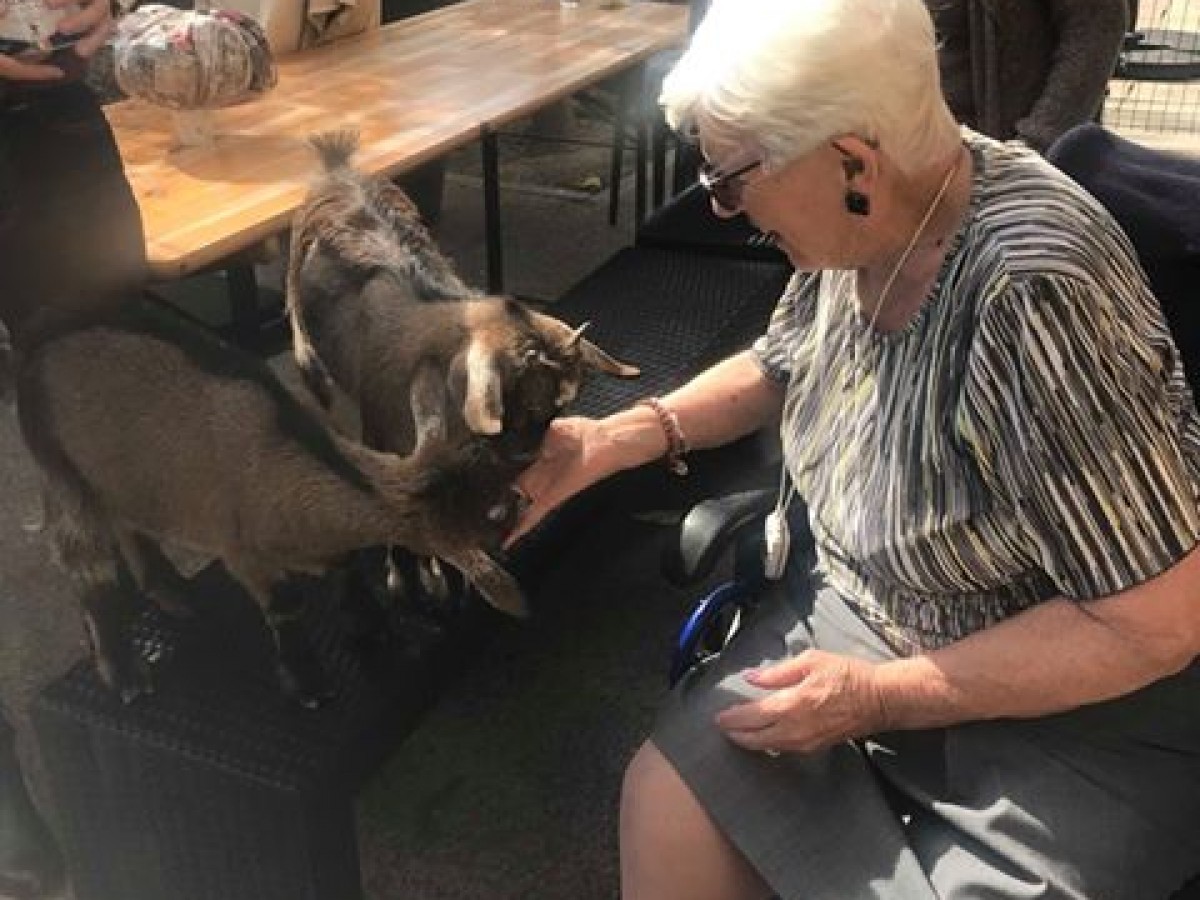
(677, 445)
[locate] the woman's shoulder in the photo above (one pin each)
(1032, 220)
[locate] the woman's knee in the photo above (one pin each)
(646, 776)
(670, 846)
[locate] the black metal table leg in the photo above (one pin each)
(617, 160)
(491, 210)
(637, 82)
(243, 305)
(658, 157)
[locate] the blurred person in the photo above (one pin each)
(71, 248)
(1027, 69)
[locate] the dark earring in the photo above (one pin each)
(858, 203)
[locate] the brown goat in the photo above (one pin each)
(378, 310)
(150, 432)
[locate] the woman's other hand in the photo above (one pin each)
(814, 700)
(28, 68)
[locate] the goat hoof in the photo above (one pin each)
(134, 687)
(128, 682)
(172, 603)
(434, 581)
(306, 686)
(316, 699)
(130, 695)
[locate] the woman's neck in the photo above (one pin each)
(894, 285)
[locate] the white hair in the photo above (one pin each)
(791, 74)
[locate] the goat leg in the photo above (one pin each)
(108, 600)
(300, 673)
(311, 366)
(435, 580)
(155, 575)
(366, 597)
(108, 616)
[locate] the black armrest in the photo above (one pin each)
(710, 528)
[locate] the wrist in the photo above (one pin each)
(676, 442)
(632, 438)
(911, 693)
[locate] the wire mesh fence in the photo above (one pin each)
(1157, 83)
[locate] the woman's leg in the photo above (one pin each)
(1100, 802)
(812, 826)
(670, 847)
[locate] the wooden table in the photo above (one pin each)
(414, 89)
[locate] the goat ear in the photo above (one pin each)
(596, 358)
(591, 355)
(483, 400)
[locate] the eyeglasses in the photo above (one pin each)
(726, 188)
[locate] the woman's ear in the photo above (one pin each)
(859, 163)
(860, 159)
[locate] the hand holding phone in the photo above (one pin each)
(30, 26)
(44, 40)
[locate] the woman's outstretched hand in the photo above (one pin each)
(570, 460)
(815, 700)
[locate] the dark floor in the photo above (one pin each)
(509, 788)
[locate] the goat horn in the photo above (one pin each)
(577, 334)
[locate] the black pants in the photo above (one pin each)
(71, 242)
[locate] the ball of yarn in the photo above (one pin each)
(190, 60)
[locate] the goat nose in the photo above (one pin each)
(498, 514)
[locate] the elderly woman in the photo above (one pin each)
(984, 686)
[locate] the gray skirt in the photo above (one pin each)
(1100, 803)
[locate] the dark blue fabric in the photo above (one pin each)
(1155, 198)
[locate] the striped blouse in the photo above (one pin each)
(1028, 434)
